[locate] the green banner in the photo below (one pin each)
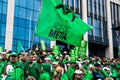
(72, 55)
(43, 45)
(82, 49)
(58, 22)
(56, 50)
(76, 51)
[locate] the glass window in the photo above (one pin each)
(36, 39)
(22, 3)
(21, 32)
(89, 6)
(96, 28)
(33, 25)
(98, 11)
(30, 4)
(36, 5)
(4, 8)
(26, 44)
(90, 23)
(0, 18)
(15, 21)
(22, 12)
(4, 18)
(16, 11)
(3, 30)
(71, 3)
(22, 43)
(102, 8)
(76, 4)
(5, 0)
(17, 2)
(36, 15)
(29, 14)
(1, 7)
(27, 34)
(2, 40)
(66, 2)
(27, 24)
(15, 32)
(21, 22)
(95, 7)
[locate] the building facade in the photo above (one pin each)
(18, 19)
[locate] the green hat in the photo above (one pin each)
(13, 54)
(49, 57)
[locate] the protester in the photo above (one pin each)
(46, 65)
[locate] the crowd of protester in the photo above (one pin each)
(44, 65)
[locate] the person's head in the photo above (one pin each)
(73, 64)
(31, 57)
(13, 57)
(59, 70)
(54, 65)
(97, 66)
(3, 54)
(56, 77)
(109, 79)
(47, 60)
(30, 78)
(78, 74)
(60, 57)
(107, 70)
(8, 70)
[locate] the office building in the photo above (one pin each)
(18, 19)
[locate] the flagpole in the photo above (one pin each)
(36, 26)
(30, 29)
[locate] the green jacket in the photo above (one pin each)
(45, 76)
(87, 75)
(70, 72)
(18, 73)
(32, 70)
(2, 65)
(64, 77)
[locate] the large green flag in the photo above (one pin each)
(19, 47)
(58, 22)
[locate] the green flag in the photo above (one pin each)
(58, 22)
(19, 47)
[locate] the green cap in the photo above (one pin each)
(13, 54)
